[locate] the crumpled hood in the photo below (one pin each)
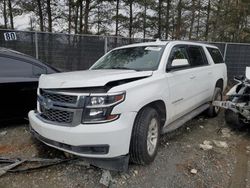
(88, 78)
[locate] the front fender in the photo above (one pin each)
(143, 92)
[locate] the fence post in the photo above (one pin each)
(105, 44)
(225, 52)
(36, 43)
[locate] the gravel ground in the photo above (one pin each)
(180, 161)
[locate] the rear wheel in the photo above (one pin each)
(145, 136)
(213, 111)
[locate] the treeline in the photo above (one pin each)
(212, 20)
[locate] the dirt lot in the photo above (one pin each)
(178, 155)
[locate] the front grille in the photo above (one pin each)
(55, 115)
(64, 109)
(59, 97)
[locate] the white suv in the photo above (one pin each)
(121, 105)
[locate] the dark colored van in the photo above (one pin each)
(19, 74)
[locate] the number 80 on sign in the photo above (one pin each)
(8, 36)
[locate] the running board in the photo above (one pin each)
(179, 122)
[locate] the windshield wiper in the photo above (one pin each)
(124, 68)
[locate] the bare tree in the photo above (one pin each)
(207, 20)
(49, 16)
(167, 19)
(198, 20)
(178, 24)
(86, 16)
(81, 16)
(69, 16)
(159, 18)
(116, 18)
(214, 20)
(76, 7)
(40, 12)
(130, 18)
(144, 18)
(193, 8)
(11, 14)
(31, 23)
(5, 15)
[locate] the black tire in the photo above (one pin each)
(213, 111)
(233, 120)
(139, 153)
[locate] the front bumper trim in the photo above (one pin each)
(116, 163)
(85, 149)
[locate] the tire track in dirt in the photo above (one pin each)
(239, 176)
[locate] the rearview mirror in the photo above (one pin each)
(179, 62)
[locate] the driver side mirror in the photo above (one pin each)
(179, 62)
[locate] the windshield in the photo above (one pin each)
(136, 58)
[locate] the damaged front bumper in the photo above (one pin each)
(116, 163)
(103, 141)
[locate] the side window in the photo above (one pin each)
(14, 68)
(216, 55)
(178, 58)
(196, 56)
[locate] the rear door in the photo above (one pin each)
(203, 74)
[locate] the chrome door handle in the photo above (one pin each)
(210, 72)
(192, 77)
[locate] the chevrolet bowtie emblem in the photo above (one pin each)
(47, 103)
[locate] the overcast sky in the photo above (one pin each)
(20, 22)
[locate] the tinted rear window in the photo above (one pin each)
(216, 55)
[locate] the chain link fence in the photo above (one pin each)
(78, 52)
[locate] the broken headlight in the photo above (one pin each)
(99, 107)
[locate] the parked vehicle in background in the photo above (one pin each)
(237, 105)
(130, 96)
(19, 74)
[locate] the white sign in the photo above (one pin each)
(10, 36)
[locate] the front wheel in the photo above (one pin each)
(145, 136)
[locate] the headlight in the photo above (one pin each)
(97, 100)
(99, 107)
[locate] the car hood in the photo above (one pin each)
(88, 78)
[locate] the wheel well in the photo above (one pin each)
(219, 83)
(160, 107)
